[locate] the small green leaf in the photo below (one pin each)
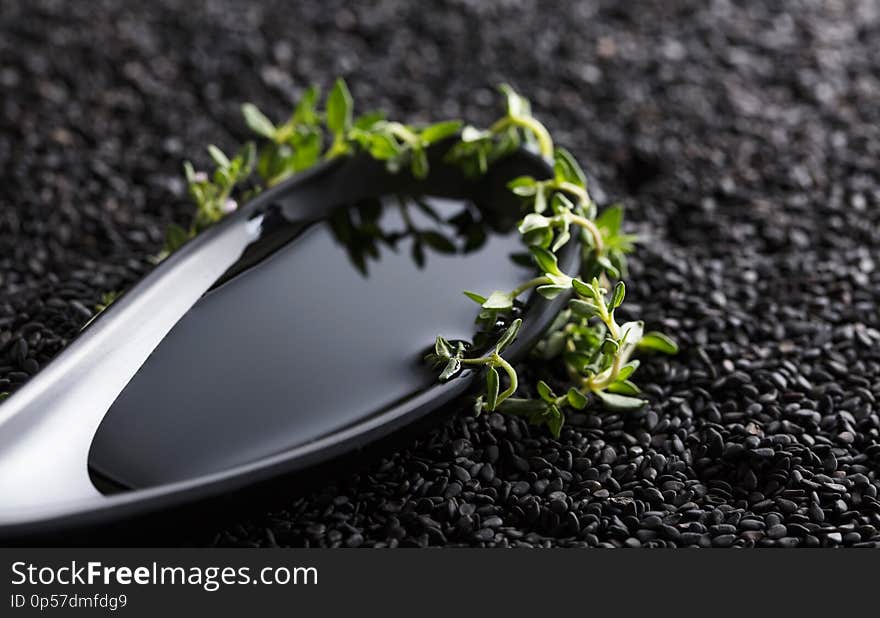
(509, 335)
(533, 221)
(540, 200)
(551, 291)
(366, 121)
(257, 121)
(610, 346)
(621, 403)
(611, 220)
(3, 396)
(658, 342)
(339, 108)
(608, 266)
(554, 420)
(545, 392)
(452, 367)
(498, 301)
(624, 387)
(566, 168)
(442, 348)
(441, 130)
(524, 186)
(583, 289)
(576, 399)
(627, 370)
(515, 106)
(538, 238)
(546, 261)
(217, 155)
(492, 386)
(381, 146)
(475, 297)
(583, 308)
(619, 294)
(561, 240)
(305, 111)
(189, 173)
(522, 407)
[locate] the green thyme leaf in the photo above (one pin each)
(544, 392)
(610, 220)
(442, 348)
(498, 300)
(306, 111)
(551, 291)
(492, 386)
(509, 336)
(561, 240)
(257, 121)
(475, 297)
(618, 296)
(576, 399)
(452, 367)
(658, 342)
(339, 108)
(515, 104)
(627, 370)
(218, 156)
(533, 221)
(554, 420)
(439, 131)
(583, 289)
(621, 403)
(624, 387)
(546, 261)
(367, 121)
(566, 168)
(540, 200)
(583, 308)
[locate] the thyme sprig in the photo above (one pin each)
(594, 349)
(586, 341)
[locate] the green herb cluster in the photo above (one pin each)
(594, 350)
(308, 136)
(586, 343)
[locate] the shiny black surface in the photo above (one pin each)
(319, 326)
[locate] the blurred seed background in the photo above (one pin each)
(742, 136)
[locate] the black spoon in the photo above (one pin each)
(286, 336)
